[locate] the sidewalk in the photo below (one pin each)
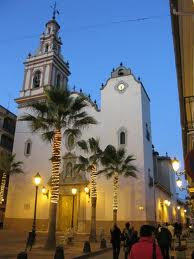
(12, 243)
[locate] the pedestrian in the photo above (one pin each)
(126, 237)
(164, 239)
(170, 227)
(115, 240)
(146, 247)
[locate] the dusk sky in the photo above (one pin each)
(97, 35)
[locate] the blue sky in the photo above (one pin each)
(94, 44)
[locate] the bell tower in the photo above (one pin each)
(46, 67)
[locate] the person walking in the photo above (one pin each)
(146, 248)
(170, 227)
(164, 239)
(126, 237)
(116, 241)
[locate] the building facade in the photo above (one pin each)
(167, 205)
(7, 131)
(123, 121)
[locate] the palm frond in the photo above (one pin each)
(79, 167)
(87, 120)
(129, 159)
(83, 145)
(121, 154)
(48, 136)
(72, 132)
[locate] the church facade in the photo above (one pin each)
(123, 121)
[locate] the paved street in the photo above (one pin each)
(108, 255)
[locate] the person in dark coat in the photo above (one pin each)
(116, 241)
(164, 239)
(126, 237)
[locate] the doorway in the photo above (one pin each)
(65, 212)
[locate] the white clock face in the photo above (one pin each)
(121, 87)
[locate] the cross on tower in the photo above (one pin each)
(55, 11)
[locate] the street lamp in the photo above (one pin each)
(179, 182)
(175, 164)
(37, 180)
(45, 191)
(74, 191)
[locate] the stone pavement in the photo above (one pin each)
(11, 243)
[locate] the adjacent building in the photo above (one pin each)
(167, 206)
(7, 131)
(183, 31)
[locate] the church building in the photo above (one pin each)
(123, 121)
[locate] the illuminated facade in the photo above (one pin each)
(123, 121)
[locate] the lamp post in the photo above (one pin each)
(74, 191)
(37, 180)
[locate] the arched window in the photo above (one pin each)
(28, 148)
(36, 79)
(120, 72)
(58, 81)
(46, 48)
(122, 138)
(69, 169)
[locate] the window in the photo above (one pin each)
(9, 125)
(36, 79)
(6, 142)
(69, 169)
(49, 30)
(58, 80)
(28, 148)
(147, 133)
(120, 72)
(46, 48)
(122, 138)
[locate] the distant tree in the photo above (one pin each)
(89, 163)
(116, 163)
(8, 166)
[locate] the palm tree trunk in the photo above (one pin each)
(93, 204)
(115, 196)
(2, 189)
(56, 159)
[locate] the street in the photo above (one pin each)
(108, 255)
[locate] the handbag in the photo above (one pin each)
(154, 250)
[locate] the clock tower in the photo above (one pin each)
(46, 67)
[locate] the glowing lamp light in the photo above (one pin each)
(179, 182)
(74, 191)
(44, 190)
(166, 202)
(175, 164)
(185, 211)
(169, 203)
(141, 208)
(178, 207)
(37, 179)
(87, 190)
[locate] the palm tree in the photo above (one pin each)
(115, 163)
(61, 112)
(8, 166)
(89, 163)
